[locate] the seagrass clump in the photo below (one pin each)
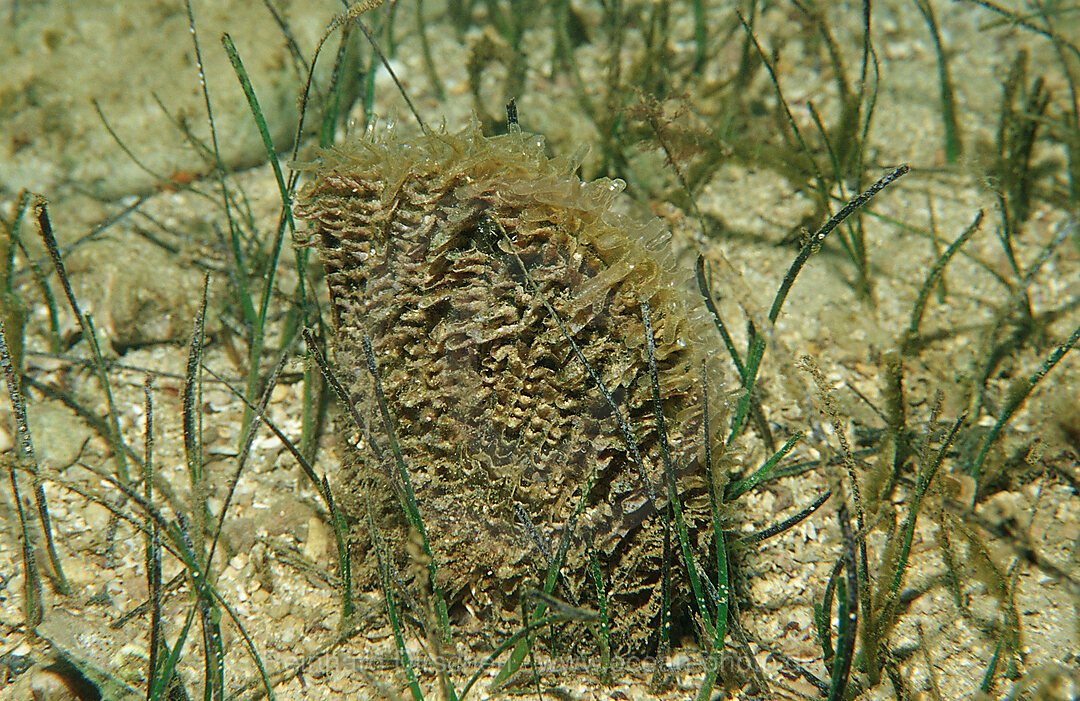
(451, 252)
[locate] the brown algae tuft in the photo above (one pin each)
(468, 261)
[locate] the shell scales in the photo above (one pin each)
(447, 250)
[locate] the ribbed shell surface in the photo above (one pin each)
(446, 250)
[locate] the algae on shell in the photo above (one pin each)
(445, 250)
